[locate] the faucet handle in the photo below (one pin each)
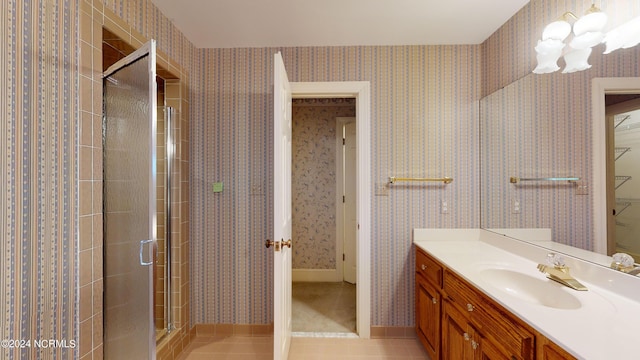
(623, 262)
(556, 260)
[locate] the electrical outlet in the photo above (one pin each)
(444, 207)
(582, 189)
(256, 189)
(382, 189)
(516, 206)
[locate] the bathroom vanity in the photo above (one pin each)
(479, 295)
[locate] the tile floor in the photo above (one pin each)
(261, 348)
(324, 326)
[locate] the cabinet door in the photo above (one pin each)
(428, 316)
(456, 335)
(548, 350)
(488, 351)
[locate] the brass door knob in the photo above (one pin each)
(287, 243)
(268, 243)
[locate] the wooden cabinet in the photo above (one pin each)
(489, 327)
(547, 350)
(428, 303)
(502, 331)
(461, 339)
(455, 321)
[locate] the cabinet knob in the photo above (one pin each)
(423, 267)
(470, 307)
(467, 337)
(434, 300)
(474, 344)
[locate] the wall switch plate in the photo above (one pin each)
(382, 189)
(217, 187)
(582, 188)
(444, 207)
(256, 189)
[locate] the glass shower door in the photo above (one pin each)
(129, 148)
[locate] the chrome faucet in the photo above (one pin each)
(625, 263)
(559, 272)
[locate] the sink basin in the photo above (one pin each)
(534, 290)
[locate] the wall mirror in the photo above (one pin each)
(544, 161)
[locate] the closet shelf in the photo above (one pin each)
(619, 121)
(623, 180)
(621, 203)
(621, 151)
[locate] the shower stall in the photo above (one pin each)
(138, 145)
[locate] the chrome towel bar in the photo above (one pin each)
(515, 180)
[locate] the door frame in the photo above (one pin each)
(600, 88)
(361, 90)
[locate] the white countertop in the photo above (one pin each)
(604, 326)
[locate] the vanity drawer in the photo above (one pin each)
(429, 268)
(505, 331)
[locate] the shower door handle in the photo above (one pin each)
(142, 262)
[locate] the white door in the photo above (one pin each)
(281, 210)
(350, 219)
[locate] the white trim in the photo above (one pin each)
(315, 275)
(361, 90)
(340, 186)
(339, 193)
(601, 87)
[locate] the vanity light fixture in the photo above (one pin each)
(624, 36)
(587, 33)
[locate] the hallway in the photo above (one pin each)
(323, 307)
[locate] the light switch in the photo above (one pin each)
(382, 189)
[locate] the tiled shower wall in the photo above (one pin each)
(51, 161)
(133, 22)
(544, 124)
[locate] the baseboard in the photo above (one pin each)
(233, 329)
(397, 332)
(315, 275)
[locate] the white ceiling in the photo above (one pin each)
(293, 23)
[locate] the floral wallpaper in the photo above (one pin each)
(313, 184)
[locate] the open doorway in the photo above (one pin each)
(603, 201)
(623, 193)
(361, 91)
(324, 216)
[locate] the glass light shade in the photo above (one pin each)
(587, 40)
(632, 33)
(614, 40)
(557, 30)
(548, 53)
(591, 22)
(577, 60)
